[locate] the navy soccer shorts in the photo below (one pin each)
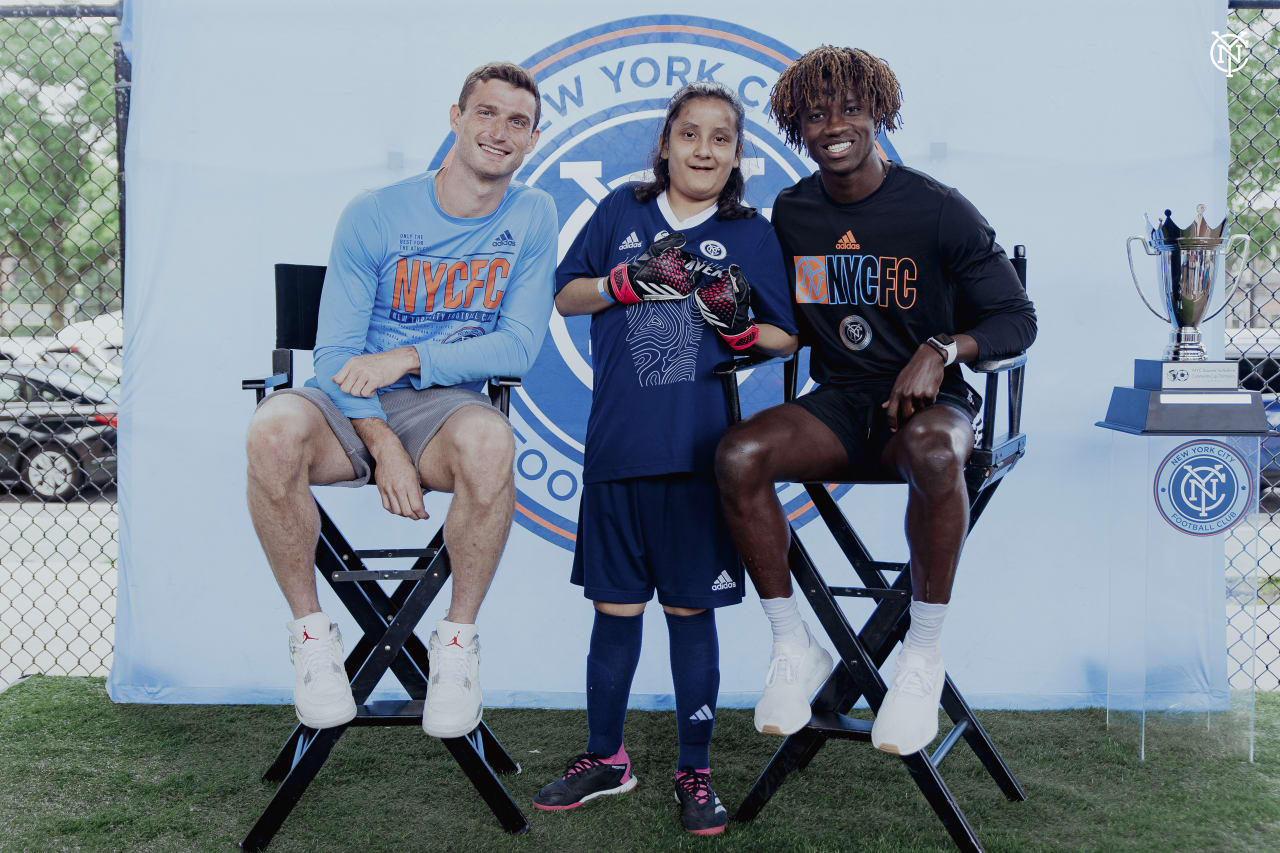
(664, 533)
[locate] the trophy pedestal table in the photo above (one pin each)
(1179, 668)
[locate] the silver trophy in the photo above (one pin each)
(1189, 272)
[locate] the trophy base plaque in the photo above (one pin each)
(1179, 398)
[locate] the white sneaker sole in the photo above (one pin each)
(629, 785)
(454, 730)
(333, 718)
(897, 748)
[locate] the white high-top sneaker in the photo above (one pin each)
(453, 705)
(321, 693)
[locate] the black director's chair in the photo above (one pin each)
(388, 621)
(862, 653)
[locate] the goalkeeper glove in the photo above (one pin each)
(724, 302)
(659, 273)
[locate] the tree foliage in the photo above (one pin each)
(1254, 101)
(58, 188)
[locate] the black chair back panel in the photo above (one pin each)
(297, 305)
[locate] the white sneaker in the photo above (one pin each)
(794, 674)
(908, 717)
(453, 703)
(321, 692)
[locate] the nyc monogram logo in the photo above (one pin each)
(1204, 487)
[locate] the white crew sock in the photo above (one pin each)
(925, 634)
(447, 631)
(314, 626)
(784, 618)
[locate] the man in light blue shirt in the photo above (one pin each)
(434, 284)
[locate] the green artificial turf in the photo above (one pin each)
(79, 773)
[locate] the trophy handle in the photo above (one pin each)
(1128, 250)
(1235, 279)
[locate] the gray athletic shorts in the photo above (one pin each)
(414, 416)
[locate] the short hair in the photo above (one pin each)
(826, 69)
(508, 72)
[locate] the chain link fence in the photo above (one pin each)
(60, 337)
(1253, 97)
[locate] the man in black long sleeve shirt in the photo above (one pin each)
(898, 280)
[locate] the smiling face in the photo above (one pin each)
(494, 129)
(840, 136)
(701, 149)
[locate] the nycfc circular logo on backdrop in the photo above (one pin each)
(854, 332)
(1204, 487)
(604, 95)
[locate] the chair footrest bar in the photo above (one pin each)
(389, 575)
(393, 553)
(389, 712)
(869, 592)
(879, 566)
(833, 725)
(947, 742)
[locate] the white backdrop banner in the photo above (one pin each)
(254, 123)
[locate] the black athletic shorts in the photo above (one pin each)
(855, 415)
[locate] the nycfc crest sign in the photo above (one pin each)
(604, 93)
(1204, 487)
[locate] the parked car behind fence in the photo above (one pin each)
(57, 431)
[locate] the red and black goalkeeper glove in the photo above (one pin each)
(660, 273)
(724, 302)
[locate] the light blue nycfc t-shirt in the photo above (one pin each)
(473, 296)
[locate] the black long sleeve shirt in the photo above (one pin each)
(874, 279)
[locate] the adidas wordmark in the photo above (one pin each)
(724, 582)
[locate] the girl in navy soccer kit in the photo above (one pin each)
(671, 272)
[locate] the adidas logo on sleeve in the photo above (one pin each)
(724, 582)
(632, 242)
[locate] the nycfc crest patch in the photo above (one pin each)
(1204, 487)
(854, 332)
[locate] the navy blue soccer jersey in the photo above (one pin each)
(656, 407)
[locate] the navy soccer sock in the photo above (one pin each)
(611, 664)
(695, 672)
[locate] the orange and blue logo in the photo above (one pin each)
(855, 280)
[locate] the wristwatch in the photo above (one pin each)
(945, 346)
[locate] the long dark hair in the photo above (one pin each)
(729, 205)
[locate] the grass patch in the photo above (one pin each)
(79, 773)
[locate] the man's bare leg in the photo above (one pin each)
(471, 456)
(929, 452)
(783, 443)
(291, 446)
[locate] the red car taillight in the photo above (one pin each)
(109, 420)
